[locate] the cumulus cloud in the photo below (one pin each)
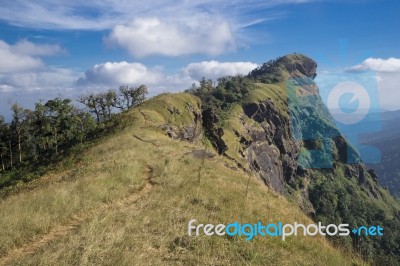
(165, 27)
(385, 75)
(200, 34)
(113, 74)
(214, 69)
(12, 61)
(22, 69)
(27, 87)
(46, 83)
(377, 64)
(388, 79)
(24, 56)
(47, 78)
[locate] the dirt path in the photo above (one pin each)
(143, 115)
(38, 242)
(147, 141)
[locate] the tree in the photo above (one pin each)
(84, 125)
(125, 99)
(30, 140)
(131, 96)
(17, 125)
(61, 121)
(4, 133)
(206, 86)
(110, 101)
(91, 102)
(39, 128)
(101, 104)
(139, 95)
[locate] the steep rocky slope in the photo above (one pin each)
(283, 133)
(129, 198)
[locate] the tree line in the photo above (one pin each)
(40, 135)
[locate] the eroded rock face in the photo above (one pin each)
(190, 132)
(273, 144)
(213, 131)
(272, 154)
(268, 145)
(265, 160)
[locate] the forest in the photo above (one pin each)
(34, 139)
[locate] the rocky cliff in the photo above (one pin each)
(282, 132)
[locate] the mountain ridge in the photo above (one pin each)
(282, 132)
(211, 152)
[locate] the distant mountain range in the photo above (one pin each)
(387, 140)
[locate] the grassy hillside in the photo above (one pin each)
(284, 133)
(128, 200)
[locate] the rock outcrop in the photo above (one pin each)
(283, 133)
(273, 149)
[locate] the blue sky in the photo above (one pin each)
(49, 50)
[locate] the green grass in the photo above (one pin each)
(153, 229)
(275, 92)
(234, 124)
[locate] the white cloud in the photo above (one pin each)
(22, 70)
(28, 87)
(199, 34)
(388, 79)
(389, 90)
(113, 74)
(214, 69)
(165, 27)
(6, 88)
(377, 64)
(385, 75)
(47, 78)
(12, 61)
(105, 14)
(27, 48)
(24, 56)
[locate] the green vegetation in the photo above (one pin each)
(35, 139)
(337, 199)
(269, 72)
(275, 92)
(388, 169)
(127, 198)
(217, 103)
(100, 210)
(220, 98)
(341, 194)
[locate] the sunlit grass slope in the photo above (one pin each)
(102, 210)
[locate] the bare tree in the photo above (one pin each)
(92, 104)
(131, 96)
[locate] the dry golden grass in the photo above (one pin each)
(107, 213)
